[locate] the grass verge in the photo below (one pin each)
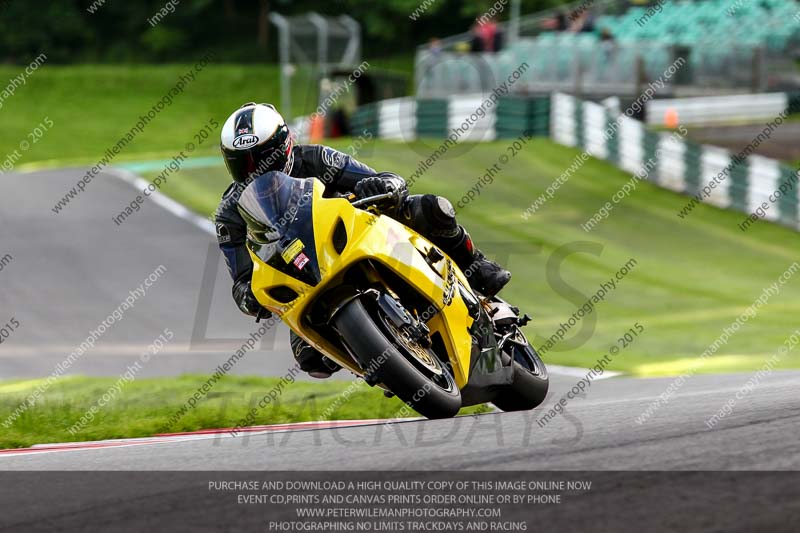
(143, 407)
(92, 106)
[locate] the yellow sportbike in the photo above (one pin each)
(383, 302)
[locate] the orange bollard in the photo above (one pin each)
(671, 118)
(316, 130)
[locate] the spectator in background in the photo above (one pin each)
(561, 20)
(583, 22)
(435, 47)
(608, 49)
(557, 22)
(486, 36)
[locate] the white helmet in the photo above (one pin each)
(255, 139)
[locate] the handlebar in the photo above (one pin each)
(371, 199)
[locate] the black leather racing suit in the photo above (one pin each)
(430, 215)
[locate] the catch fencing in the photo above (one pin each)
(707, 174)
(679, 164)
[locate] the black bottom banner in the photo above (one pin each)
(399, 501)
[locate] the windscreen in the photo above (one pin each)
(280, 225)
(269, 205)
(271, 201)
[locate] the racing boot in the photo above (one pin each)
(435, 217)
(310, 360)
(484, 275)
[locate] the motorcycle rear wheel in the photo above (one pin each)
(530, 385)
(432, 398)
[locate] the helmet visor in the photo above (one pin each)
(245, 166)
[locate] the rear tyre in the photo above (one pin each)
(530, 385)
(389, 361)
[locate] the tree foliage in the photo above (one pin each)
(119, 31)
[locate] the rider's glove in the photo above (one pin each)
(372, 186)
(382, 184)
(246, 300)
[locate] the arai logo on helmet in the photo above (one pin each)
(243, 142)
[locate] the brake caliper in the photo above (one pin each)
(416, 330)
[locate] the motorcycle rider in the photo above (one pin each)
(255, 140)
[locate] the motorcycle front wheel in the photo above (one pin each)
(412, 372)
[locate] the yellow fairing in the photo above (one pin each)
(382, 239)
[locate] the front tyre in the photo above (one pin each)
(387, 355)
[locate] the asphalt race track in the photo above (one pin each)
(72, 269)
(599, 432)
